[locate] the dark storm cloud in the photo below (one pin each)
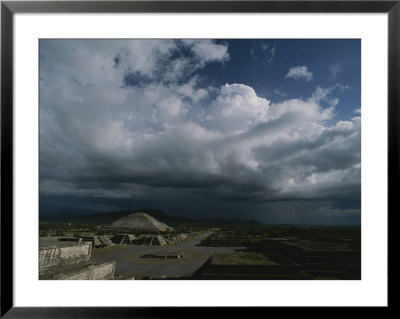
(140, 134)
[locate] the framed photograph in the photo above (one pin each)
(164, 155)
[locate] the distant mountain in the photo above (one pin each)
(110, 217)
(228, 222)
(106, 218)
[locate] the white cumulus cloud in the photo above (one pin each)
(300, 72)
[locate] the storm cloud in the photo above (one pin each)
(133, 120)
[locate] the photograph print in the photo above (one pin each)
(199, 159)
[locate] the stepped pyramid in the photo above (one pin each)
(141, 221)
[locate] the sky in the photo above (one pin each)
(264, 129)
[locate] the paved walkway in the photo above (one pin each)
(129, 262)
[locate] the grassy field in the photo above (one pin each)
(243, 259)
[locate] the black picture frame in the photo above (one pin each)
(9, 8)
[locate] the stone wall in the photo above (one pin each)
(54, 255)
(92, 272)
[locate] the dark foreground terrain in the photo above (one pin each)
(256, 252)
(129, 260)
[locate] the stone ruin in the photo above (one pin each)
(165, 255)
(71, 260)
(150, 240)
(124, 239)
(141, 221)
(98, 241)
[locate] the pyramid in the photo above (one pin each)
(141, 221)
